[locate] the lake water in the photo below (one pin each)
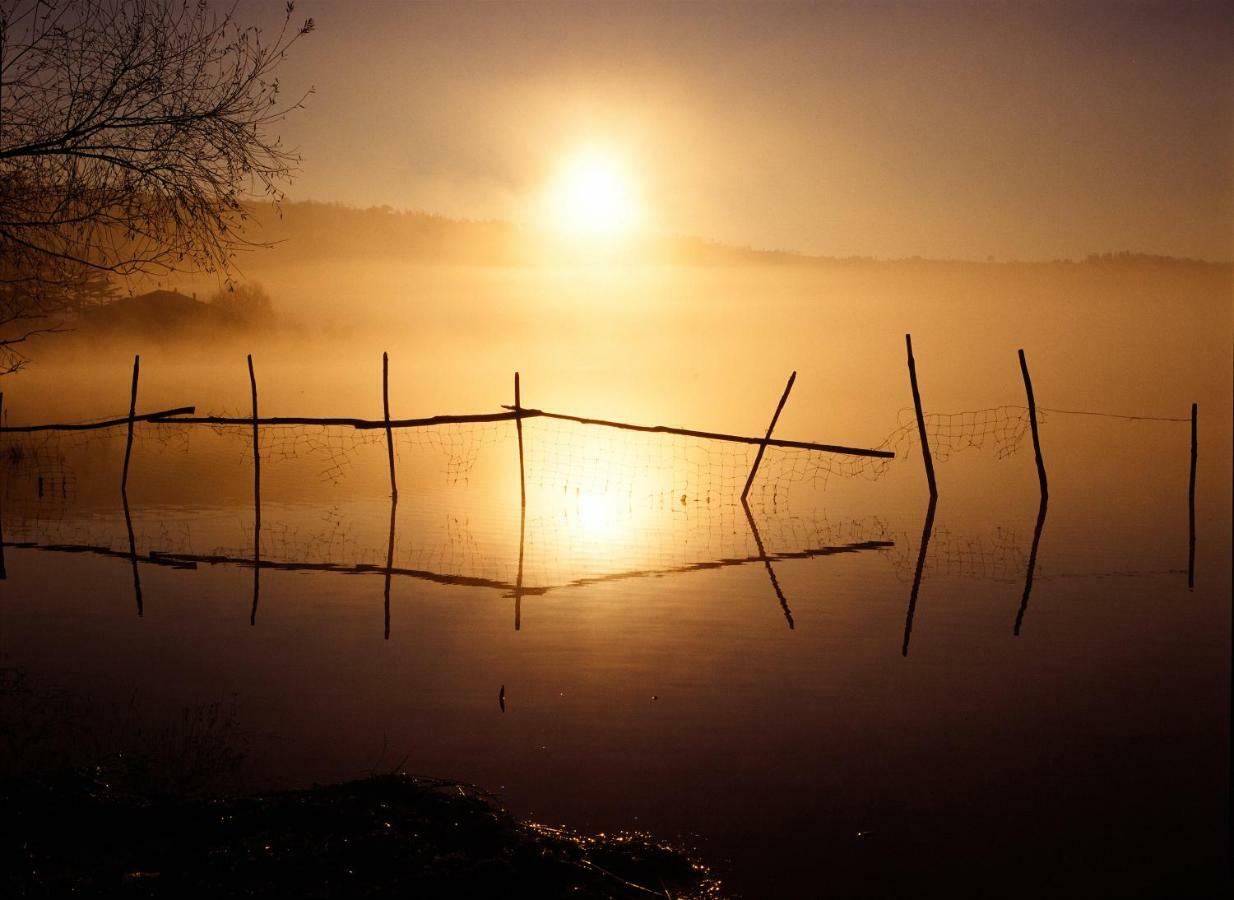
(784, 691)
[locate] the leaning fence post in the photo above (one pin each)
(518, 424)
(1191, 504)
(385, 403)
(128, 447)
(1032, 421)
(762, 447)
(921, 426)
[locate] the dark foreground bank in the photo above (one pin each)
(88, 833)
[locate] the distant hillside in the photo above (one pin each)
(311, 232)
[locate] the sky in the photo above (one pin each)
(945, 130)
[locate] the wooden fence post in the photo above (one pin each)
(128, 448)
(762, 447)
(518, 424)
(1191, 502)
(921, 426)
(1032, 421)
(385, 404)
(256, 499)
(522, 518)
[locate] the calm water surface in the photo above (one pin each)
(765, 688)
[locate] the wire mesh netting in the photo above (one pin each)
(999, 554)
(560, 455)
(602, 502)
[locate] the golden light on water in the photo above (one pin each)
(593, 195)
(598, 518)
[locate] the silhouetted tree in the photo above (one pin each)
(131, 133)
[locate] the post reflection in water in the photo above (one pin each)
(518, 581)
(256, 571)
(128, 524)
(390, 560)
(1032, 564)
(762, 553)
(926, 530)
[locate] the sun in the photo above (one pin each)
(593, 196)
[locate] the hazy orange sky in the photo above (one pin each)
(1025, 130)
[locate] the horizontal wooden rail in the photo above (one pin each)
(183, 416)
(362, 424)
(249, 562)
(107, 423)
(714, 435)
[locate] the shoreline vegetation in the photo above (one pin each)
(124, 802)
(95, 832)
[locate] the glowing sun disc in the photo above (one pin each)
(593, 196)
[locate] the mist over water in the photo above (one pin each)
(764, 691)
(632, 340)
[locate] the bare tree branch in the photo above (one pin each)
(131, 134)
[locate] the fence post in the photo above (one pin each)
(256, 499)
(522, 518)
(128, 447)
(921, 426)
(762, 447)
(518, 424)
(1191, 502)
(385, 404)
(1032, 420)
